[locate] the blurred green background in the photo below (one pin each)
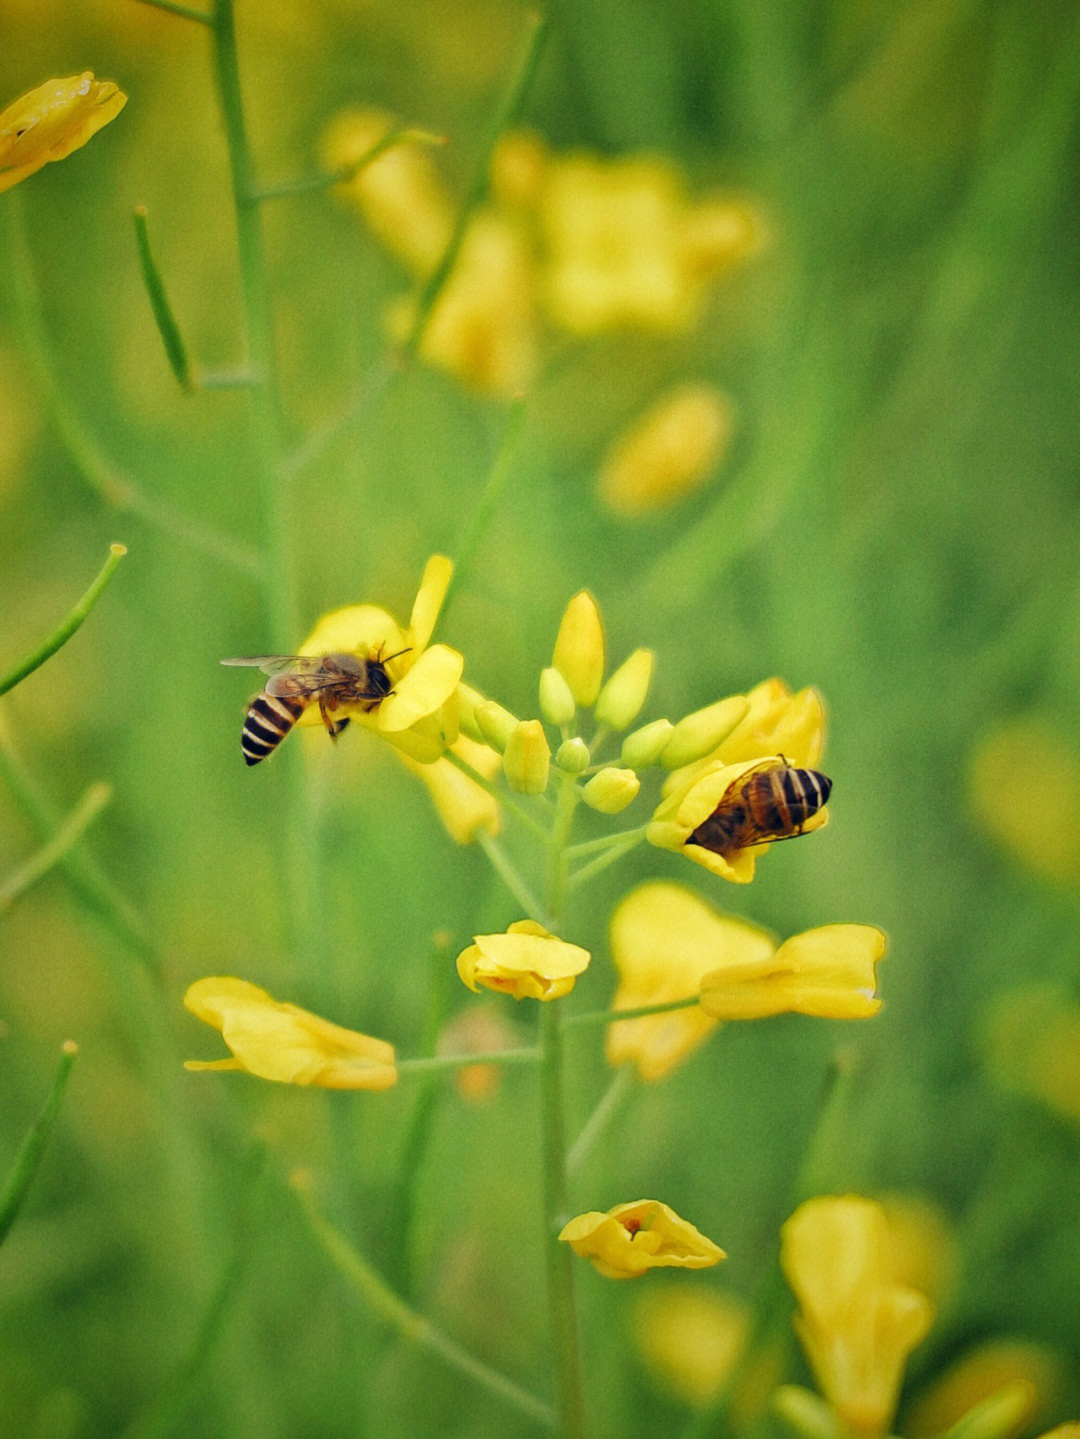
(896, 521)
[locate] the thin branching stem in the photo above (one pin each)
(382, 1301)
(508, 872)
(33, 1145)
(609, 1016)
(608, 1106)
(437, 1062)
(20, 879)
(517, 810)
(67, 626)
(185, 12)
(627, 841)
(309, 184)
(166, 321)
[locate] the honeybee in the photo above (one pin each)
(763, 806)
(300, 680)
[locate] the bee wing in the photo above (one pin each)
(292, 674)
(274, 664)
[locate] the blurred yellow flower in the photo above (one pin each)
(52, 121)
(1024, 769)
(664, 940)
(420, 716)
(527, 962)
(284, 1043)
(1032, 1371)
(856, 1323)
(484, 328)
(478, 1029)
(400, 195)
(826, 972)
(689, 1338)
(923, 1242)
(1031, 1041)
(701, 791)
(631, 1238)
(465, 807)
(668, 452)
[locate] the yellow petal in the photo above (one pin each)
(631, 1238)
(827, 972)
(364, 630)
(429, 599)
(429, 684)
(50, 122)
(526, 961)
(285, 1043)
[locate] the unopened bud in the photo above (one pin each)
(556, 702)
(611, 790)
(573, 756)
(496, 725)
(622, 697)
(469, 701)
(645, 746)
(579, 648)
(699, 733)
(527, 758)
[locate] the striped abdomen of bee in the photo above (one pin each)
(269, 719)
(763, 806)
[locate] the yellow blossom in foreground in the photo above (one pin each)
(664, 940)
(399, 194)
(826, 972)
(689, 1338)
(631, 1238)
(669, 452)
(465, 807)
(856, 1323)
(285, 1043)
(420, 716)
(50, 122)
(702, 790)
(983, 1371)
(526, 961)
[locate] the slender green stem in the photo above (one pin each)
(628, 840)
(611, 1101)
(609, 1016)
(33, 1145)
(186, 12)
(85, 878)
(67, 626)
(525, 69)
(505, 799)
(307, 184)
(164, 318)
(605, 842)
(112, 485)
(435, 1063)
(53, 851)
(381, 1299)
(508, 872)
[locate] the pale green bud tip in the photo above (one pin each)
(572, 756)
(699, 733)
(622, 697)
(645, 746)
(469, 701)
(611, 790)
(556, 701)
(579, 648)
(496, 725)
(999, 1415)
(805, 1413)
(527, 758)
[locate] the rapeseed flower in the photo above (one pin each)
(856, 1322)
(689, 1338)
(668, 453)
(285, 1043)
(50, 122)
(632, 1238)
(826, 972)
(526, 961)
(420, 717)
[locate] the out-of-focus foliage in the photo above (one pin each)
(893, 518)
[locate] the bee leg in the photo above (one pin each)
(333, 727)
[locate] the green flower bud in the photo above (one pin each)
(611, 790)
(579, 648)
(496, 725)
(469, 701)
(556, 701)
(572, 756)
(527, 758)
(622, 697)
(645, 746)
(698, 734)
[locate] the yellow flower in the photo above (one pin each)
(668, 452)
(526, 961)
(282, 1042)
(51, 121)
(631, 1238)
(400, 194)
(827, 972)
(776, 722)
(703, 790)
(664, 940)
(420, 716)
(689, 1338)
(465, 807)
(856, 1323)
